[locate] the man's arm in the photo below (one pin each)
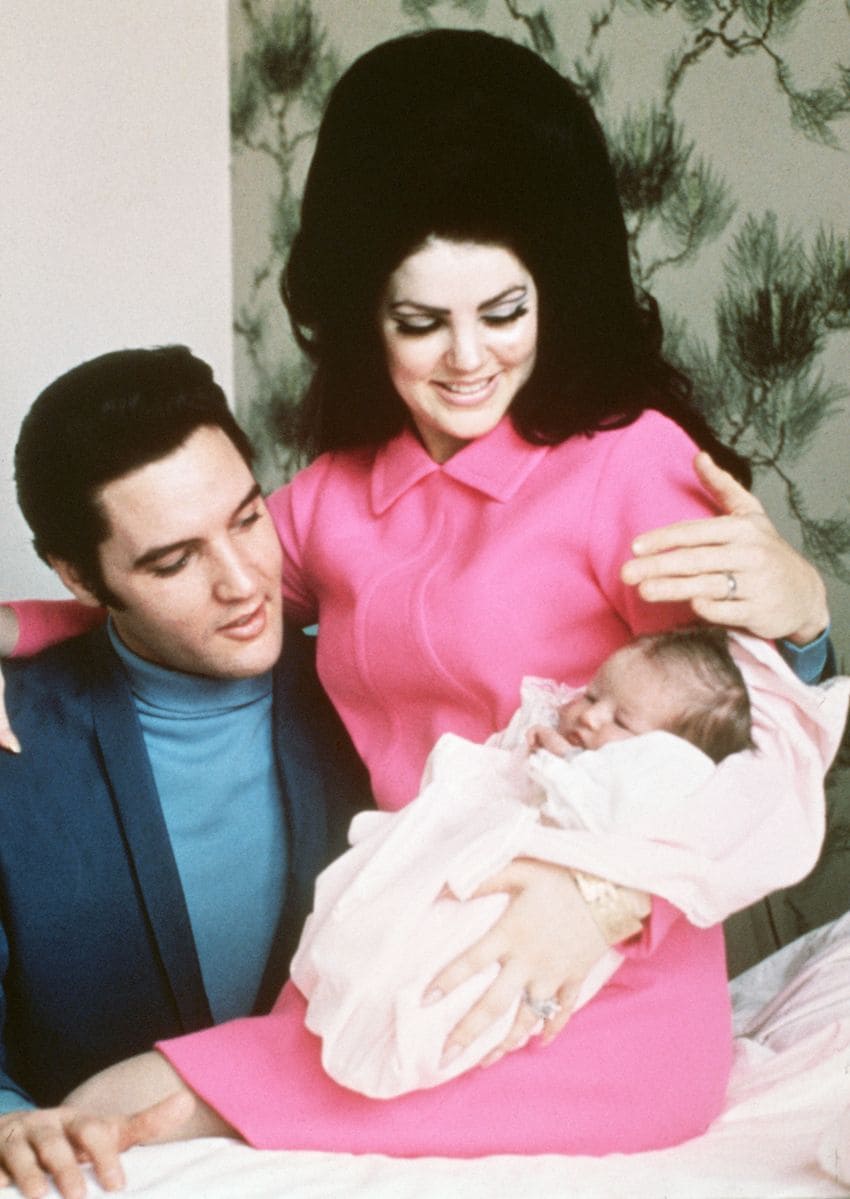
(13, 1096)
(20, 1120)
(139, 1101)
(25, 1131)
(50, 1144)
(41, 1143)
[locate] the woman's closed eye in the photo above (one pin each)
(416, 326)
(421, 326)
(505, 318)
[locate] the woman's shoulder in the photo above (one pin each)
(646, 469)
(652, 445)
(653, 430)
(335, 469)
(651, 435)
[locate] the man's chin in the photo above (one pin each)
(247, 661)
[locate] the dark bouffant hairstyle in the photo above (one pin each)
(100, 421)
(718, 718)
(472, 137)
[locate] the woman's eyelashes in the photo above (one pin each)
(505, 318)
(422, 326)
(409, 328)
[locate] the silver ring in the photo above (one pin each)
(731, 585)
(546, 1009)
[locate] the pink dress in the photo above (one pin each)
(437, 589)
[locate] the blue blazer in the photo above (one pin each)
(97, 958)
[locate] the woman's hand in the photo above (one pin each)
(734, 570)
(546, 942)
(8, 740)
(8, 641)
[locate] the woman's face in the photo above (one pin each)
(459, 323)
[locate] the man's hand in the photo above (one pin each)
(546, 942)
(50, 1144)
(773, 592)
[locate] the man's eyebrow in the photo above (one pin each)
(161, 551)
(518, 288)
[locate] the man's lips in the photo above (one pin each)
(246, 627)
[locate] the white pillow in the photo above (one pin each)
(797, 991)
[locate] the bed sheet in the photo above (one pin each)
(785, 1132)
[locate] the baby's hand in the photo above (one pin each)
(540, 736)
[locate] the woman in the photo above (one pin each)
(493, 418)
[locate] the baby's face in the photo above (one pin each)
(629, 694)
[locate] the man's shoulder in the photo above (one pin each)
(59, 678)
(299, 694)
(298, 657)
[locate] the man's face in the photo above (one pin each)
(194, 559)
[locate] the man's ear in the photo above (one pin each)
(72, 579)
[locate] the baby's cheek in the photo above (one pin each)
(611, 732)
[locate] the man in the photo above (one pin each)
(181, 782)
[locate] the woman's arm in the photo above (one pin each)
(27, 626)
(8, 631)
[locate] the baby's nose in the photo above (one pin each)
(594, 716)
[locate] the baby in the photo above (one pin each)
(597, 779)
(684, 681)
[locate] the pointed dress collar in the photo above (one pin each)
(495, 465)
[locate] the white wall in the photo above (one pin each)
(114, 203)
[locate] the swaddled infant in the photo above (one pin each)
(617, 760)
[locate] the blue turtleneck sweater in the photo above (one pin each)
(210, 746)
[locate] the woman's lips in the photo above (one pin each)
(467, 394)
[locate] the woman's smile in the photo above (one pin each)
(468, 393)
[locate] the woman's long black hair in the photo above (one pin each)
(471, 137)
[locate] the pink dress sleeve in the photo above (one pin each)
(291, 509)
(42, 623)
(647, 481)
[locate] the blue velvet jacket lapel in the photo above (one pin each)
(323, 783)
(140, 816)
(300, 770)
